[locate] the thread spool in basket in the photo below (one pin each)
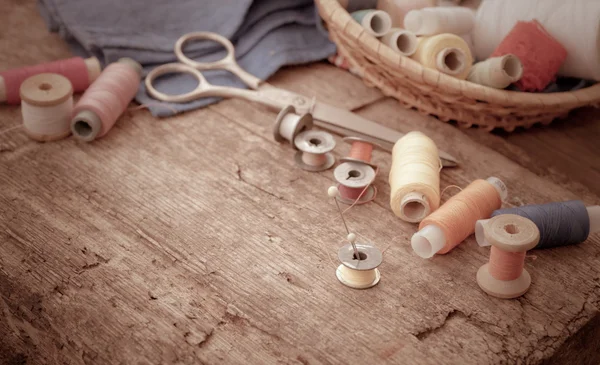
(314, 150)
(397, 9)
(107, 98)
(359, 273)
(375, 22)
(447, 53)
(80, 72)
(454, 221)
(289, 124)
(414, 177)
(401, 41)
(559, 223)
(432, 21)
(511, 237)
(497, 72)
(46, 106)
(354, 182)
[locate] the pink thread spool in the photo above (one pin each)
(81, 73)
(106, 99)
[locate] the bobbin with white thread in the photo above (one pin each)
(355, 175)
(289, 124)
(314, 150)
(509, 233)
(46, 106)
(352, 141)
(361, 273)
(401, 41)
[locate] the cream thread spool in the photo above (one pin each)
(497, 72)
(447, 53)
(374, 22)
(397, 9)
(432, 21)
(362, 273)
(402, 41)
(289, 124)
(46, 106)
(352, 178)
(511, 236)
(314, 150)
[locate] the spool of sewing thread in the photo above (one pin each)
(401, 41)
(46, 106)
(375, 22)
(511, 236)
(432, 21)
(497, 72)
(289, 124)
(414, 177)
(107, 98)
(560, 223)
(361, 151)
(447, 53)
(314, 150)
(454, 221)
(397, 9)
(540, 53)
(361, 272)
(575, 24)
(353, 178)
(80, 72)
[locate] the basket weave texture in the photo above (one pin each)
(435, 93)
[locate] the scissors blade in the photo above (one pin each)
(348, 123)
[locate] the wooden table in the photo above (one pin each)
(196, 239)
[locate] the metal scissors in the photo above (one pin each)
(325, 116)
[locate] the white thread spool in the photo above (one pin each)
(361, 272)
(375, 22)
(432, 21)
(314, 150)
(497, 72)
(46, 106)
(401, 40)
(355, 175)
(289, 124)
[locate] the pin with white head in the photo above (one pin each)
(289, 124)
(359, 262)
(314, 150)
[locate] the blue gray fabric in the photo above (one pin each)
(268, 34)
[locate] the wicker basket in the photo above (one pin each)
(435, 93)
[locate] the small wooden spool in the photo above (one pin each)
(314, 150)
(359, 274)
(509, 233)
(48, 97)
(355, 175)
(289, 124)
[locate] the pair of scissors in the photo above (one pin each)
(325, 116)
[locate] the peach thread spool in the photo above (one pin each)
(314, 150)
(80, 72)
(414, 177)
(289, 124)
(46, 106)
(454, 221)
(511, 237)
(107, 98)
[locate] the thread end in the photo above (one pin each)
(499, 186)
(428, 241)
(86, 126)
(480, 233)
(414, 207)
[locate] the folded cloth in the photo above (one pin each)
(267, 34)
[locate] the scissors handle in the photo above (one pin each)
(226, 63)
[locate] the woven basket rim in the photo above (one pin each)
(334, 14)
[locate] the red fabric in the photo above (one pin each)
(541, 54)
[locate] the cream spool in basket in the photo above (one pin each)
(497, 72)
(46, 106)
(447, 53)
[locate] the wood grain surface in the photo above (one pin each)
(196, 239)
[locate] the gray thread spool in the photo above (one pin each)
(560, 223)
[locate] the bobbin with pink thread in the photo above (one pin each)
(106, 99)
(511, 237)
(354, 182)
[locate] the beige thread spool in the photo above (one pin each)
(508, 233)
(289, 124)
(314, 150)
(447, 53)
(397, 9)
(46, 106)
(401, 40)
(431, 21)
(361, 272)
(355, 176)
(375, 22)
(497, 72)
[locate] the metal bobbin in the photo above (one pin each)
(351, 141)
(366, 264)
(289, 124)
(314, 150)
(356, 175)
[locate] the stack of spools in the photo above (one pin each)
(46, 91)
